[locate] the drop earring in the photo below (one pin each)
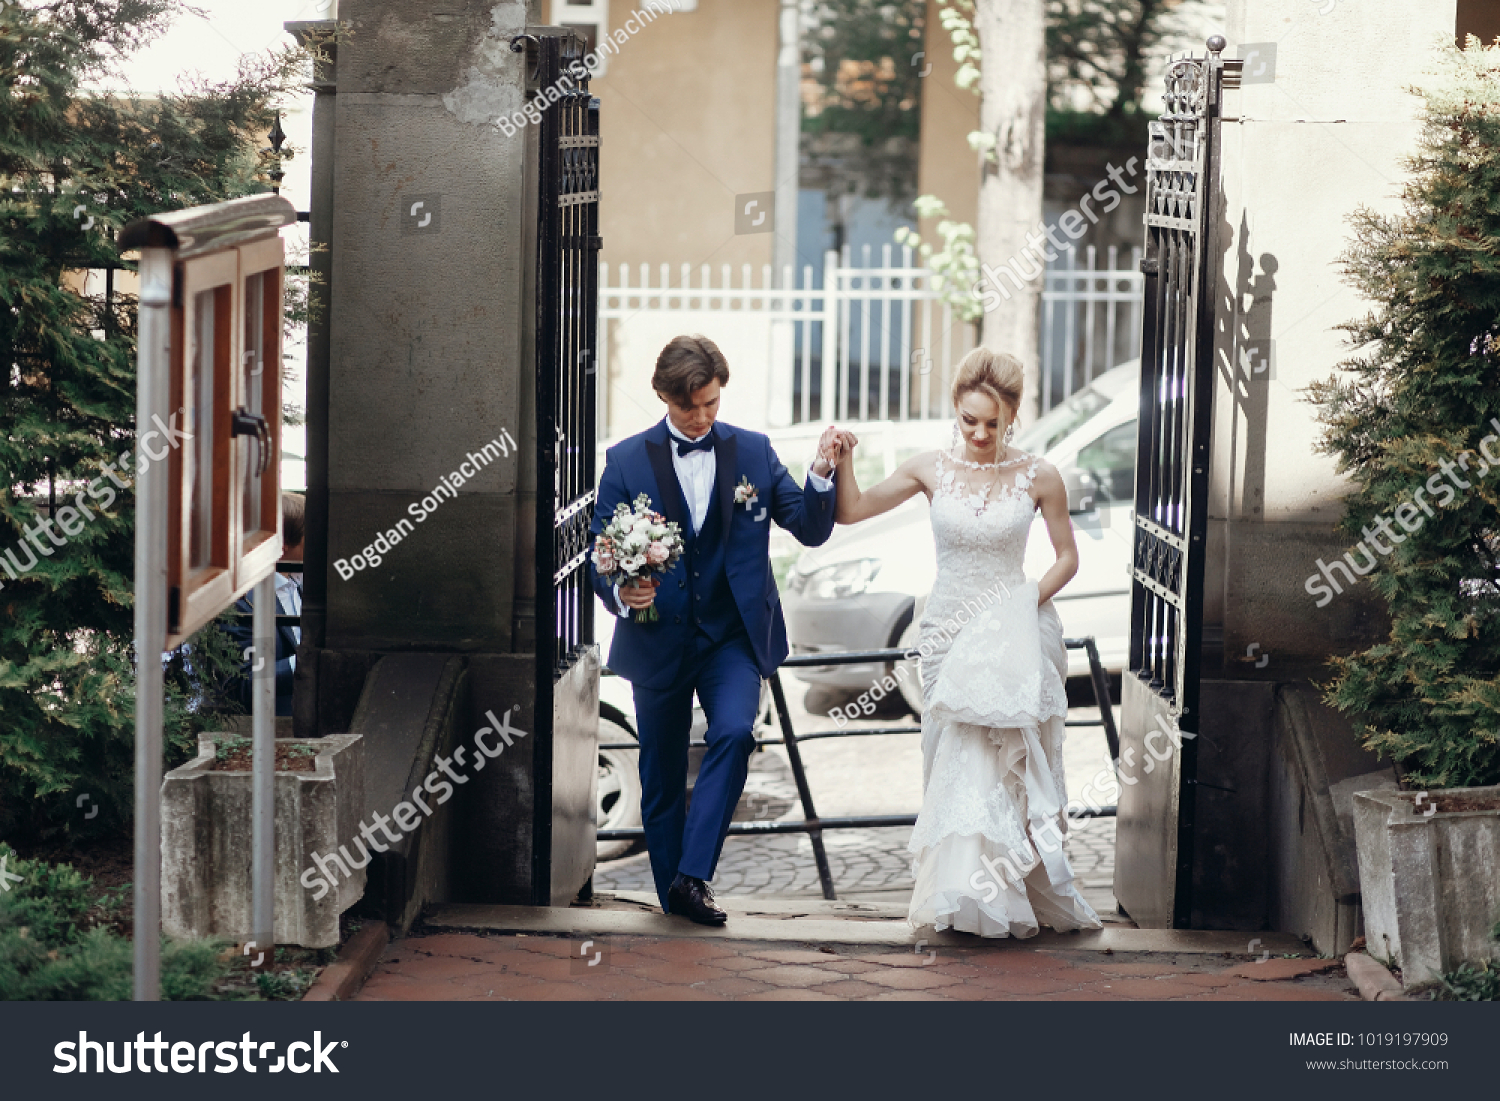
(954, 445)
(1010, 433)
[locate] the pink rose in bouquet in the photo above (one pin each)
(637, 543)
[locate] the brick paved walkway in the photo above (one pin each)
(510, 967)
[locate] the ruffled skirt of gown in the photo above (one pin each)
(988, 844)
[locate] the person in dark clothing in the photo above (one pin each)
(288, 602)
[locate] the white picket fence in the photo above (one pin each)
(876, 337)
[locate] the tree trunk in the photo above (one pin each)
(1013, 86)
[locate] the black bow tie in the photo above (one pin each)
(685, 447)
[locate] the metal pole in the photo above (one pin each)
(1101, 697)
(263, 775)
(319, 343)
(794, 756)
(150, 619)
(788, 135)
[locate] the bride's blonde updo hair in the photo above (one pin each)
(996, 374)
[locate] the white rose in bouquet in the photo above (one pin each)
(637, 543)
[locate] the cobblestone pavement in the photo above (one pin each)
(507, 967)
(863, 862)
(868, 775)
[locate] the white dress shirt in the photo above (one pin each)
(696, 473)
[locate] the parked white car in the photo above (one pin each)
(864, 589)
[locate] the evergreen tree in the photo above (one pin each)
(1407, 420)
(75, 166)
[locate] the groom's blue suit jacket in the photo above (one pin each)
(649, 654)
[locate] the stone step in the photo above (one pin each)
(818, 922)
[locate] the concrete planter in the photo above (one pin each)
(1429, 879)
(206, 849)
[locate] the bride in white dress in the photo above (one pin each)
(987, 849)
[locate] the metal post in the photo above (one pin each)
(794, 756)
(263, 775)
(788, 134)
(319, 345)
(828, 388)
(1101, 697)
(150, 619)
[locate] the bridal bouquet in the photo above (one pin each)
(637, 543)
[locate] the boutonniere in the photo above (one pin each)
(745, 493)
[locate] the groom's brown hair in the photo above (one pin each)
(686, 364)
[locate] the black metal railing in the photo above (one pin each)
(1177, 339)
(811, 824)
(568, 244)
(566, 314)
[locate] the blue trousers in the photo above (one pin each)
(727, 681)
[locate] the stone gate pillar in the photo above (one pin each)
(430, 441)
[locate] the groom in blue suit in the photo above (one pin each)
(720, 628)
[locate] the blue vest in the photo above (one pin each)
(714, 611)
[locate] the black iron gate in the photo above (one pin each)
(567, 277)
(1154, 848)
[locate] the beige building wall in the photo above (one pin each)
(946, 167)
(688, 114)
(1301, 153)
(688, 118)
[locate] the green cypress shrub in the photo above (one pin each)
(1410, 421)
(75, 166)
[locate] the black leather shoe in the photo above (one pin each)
(692, 898)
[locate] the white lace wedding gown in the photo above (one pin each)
(987, 847)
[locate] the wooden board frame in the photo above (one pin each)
(260, 547)
(197, 595)
(239, 556)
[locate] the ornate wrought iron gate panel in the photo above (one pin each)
(567, 276)
(1154, 856)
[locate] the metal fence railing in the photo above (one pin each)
(870, 337)
(810, 823)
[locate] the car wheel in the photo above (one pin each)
(911, 683)
(619, 790)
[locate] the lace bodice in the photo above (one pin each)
(981, 517)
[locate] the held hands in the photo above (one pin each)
(640, 593)
(834, 446)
